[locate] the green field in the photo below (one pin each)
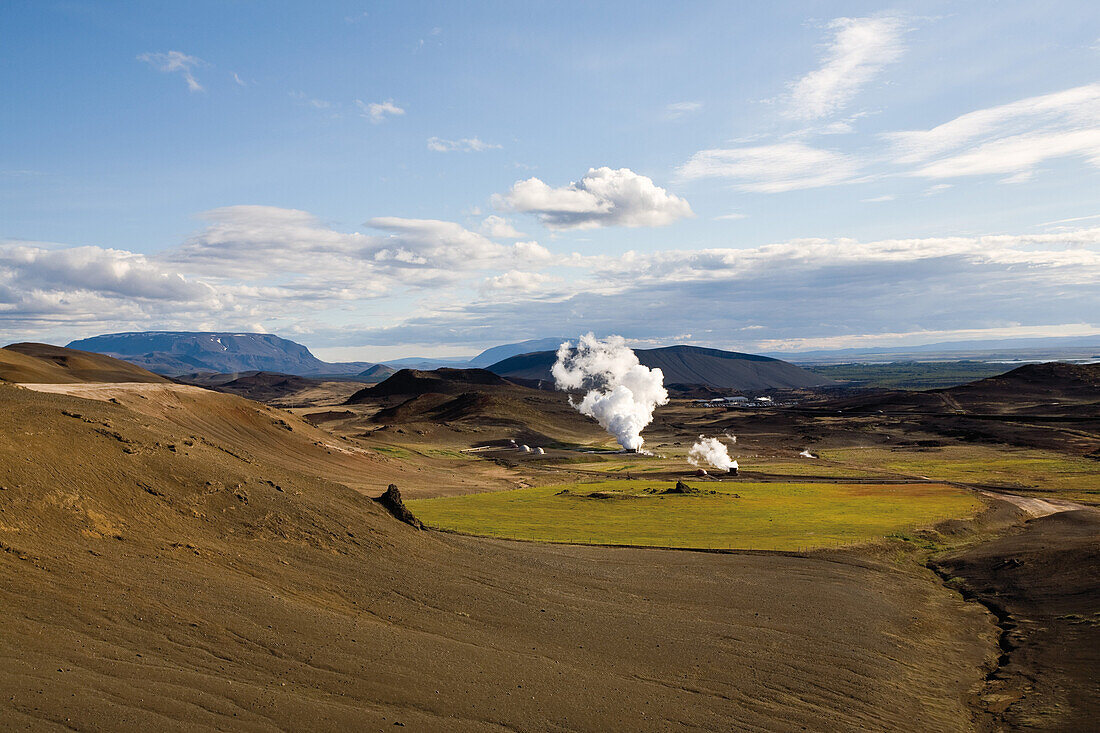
(1022, 470)
(911, 374)
(772, 516)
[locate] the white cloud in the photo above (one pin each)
(308, 101)
(1013, 138)
(860, 49)
(46, 287)
(604, 197)
(730, 217)
(676, 110)
(173, 62)
(772, 168)
(498, 227)
(252, 264)
(801, 289)
(878, 199)
(378, 111)
(465, 145)
(519, 283)
(925, 336)
(106, 271)
(237, 78)
(443, 244)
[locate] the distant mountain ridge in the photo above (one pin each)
(184, 352)
(687, 365)
(499, 353)
(177, 353)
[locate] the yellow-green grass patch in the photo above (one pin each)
(762, 516)
(1023, 470)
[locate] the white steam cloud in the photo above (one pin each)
(622, 394)
(711, 452)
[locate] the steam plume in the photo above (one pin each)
(622, 393)
(712, 452)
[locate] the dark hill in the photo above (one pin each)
(1052, 388)
(499, 353)
(687, 365)
(42, 363)
(181, 352)
(265, 386)
(377, 373)
(439, 381)
(1056, 379)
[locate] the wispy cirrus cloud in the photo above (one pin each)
(308, 101)
(678, 110)
(1014, 138)
(775, 168)
(859, 50)
(465, 145)
(175, 62)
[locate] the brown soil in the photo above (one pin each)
(1043, 582)
(42, 363)
(183, 561)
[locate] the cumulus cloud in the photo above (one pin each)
(107, 271)
(174, 62)
(464, 145)
(604, 197)
(859, 50)
(378, 111)
(498, 227)
(519, 283)
(443, 244)
(46, 286)
(772, 168)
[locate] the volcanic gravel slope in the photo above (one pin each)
(186, 563)
(1043, 580)
(45, 364)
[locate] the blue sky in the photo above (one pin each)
(379, 179)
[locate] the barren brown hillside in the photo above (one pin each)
(167, 567)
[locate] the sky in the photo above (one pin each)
(387, 179)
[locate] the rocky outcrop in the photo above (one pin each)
(391, 500)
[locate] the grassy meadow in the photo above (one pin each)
(754, 516)
(1024, 471)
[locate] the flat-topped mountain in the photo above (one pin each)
(686, 365)
(184, 352)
